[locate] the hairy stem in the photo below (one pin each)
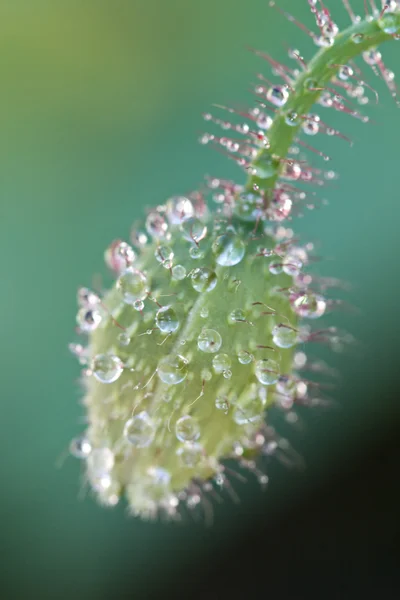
(307, 89)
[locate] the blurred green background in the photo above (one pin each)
(101, 108)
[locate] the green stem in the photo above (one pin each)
(348, 45)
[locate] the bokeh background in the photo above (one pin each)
(100, 109)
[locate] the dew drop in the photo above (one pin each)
(222, 403)
(275, 268)
(244, 357)
(204, 279)
(204, 312)
(309, 306)
(178, 272)
(252, 412)
(80, 447)
(267, 371)
(172, 369)
(107, 368)
(345, 72)
(278, 95)
(389, 24)
(209, 340)
(292, 118)
(88, 319)
(138, 305)
(132, 285)
(190, 454)
(124, 339)
(87, 298)
(284, 336)
(228, 249)
(196, 252)
(221, 363)
(140, 430)
(292, 265)
(193, 230)
(187, 429)
(237, 316)
(156, 225)
(119, 256)
(179, 209)
(249, 207)
(164, 254)
(167, 320)
(357, 38)
(100, 461)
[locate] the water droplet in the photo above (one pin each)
(264, 121)
(292, 118)
(190, 454)
(119, 256)
(311, 84)
(221, 363)
(172, 369)
(204, 280)
(179, 209)
(275, 268)
(133, 286)
(222, 403)
(140, 430)
(284, 336)
(281, 207)
(237, 316)
(309, 306)
(265, 167)
(88, 319)
(167, 320)
(292, 265)
(124, 339)
(267, 371)
(107, 368)
(228, 249)
(389, 23)
(80, 447)
(156, 225)
(138, 305)
(278, 95)
(164, 254)
(209, 340)
(187, 429)
(357, 38)
(252, 412)
(291, 170)
(204, 312)
(311, 125)
(249, 207)
(372, 57)
(178, 272)
(100, 461)
(196, 252)
(193, 230)
(87, 298)
(345, 72)
(227, 374)
(244, 357)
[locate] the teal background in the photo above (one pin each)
(100, 110)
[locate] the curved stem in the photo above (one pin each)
(307, 89)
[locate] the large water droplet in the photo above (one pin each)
(204, 280)
(187, 429)
(309, 306)
(140, 430)
(284, 336)
(107, 368)
(119, 256)
(228, 249)
(221, 363)
(156, 225)
(179, 209)
(167, 320)
(267, 371)
(133, 286)
(237, 316)
(209, 340)
(194, 230)
(164, 255)
(172, 369)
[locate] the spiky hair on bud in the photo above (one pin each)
(203, 333)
